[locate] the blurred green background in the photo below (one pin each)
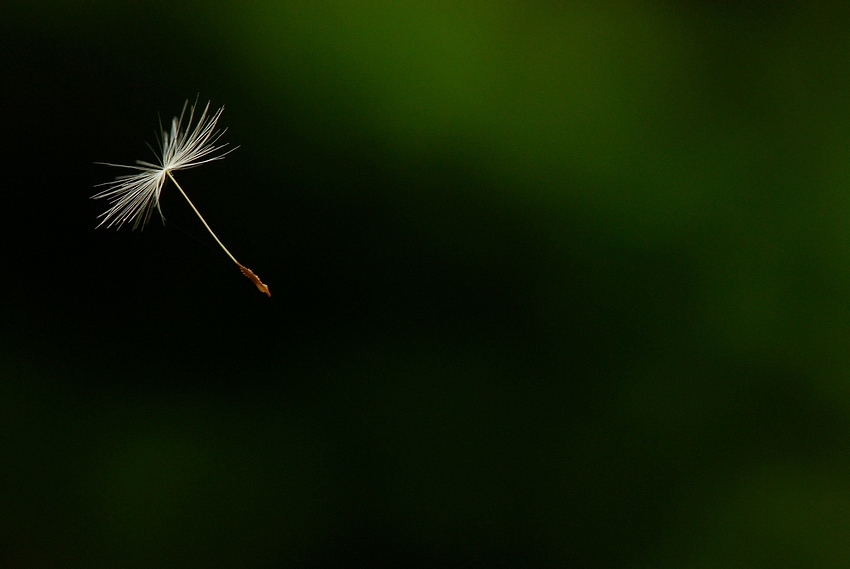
(554, 284)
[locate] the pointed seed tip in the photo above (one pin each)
(256, 280)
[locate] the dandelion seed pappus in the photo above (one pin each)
(134, 197)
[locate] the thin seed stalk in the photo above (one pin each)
(245, 270)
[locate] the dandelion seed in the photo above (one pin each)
(134, 197)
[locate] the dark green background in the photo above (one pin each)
(554, 284)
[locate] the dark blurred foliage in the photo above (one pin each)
(554, 284)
